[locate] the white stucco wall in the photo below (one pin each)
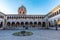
(54, 18)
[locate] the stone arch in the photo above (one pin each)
(8, 23)
(31, 23)
(26, 23)
(1, 24)
(43, 24)
(17, 23)
(39, 23)
(22, 23)
(13, 23)
(35, 23)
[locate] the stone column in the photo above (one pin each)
(47, 23)
(41, 24)
(55, 24)
(4, 22)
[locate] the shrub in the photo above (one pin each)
(22, 33)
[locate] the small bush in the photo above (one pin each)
(22, 33)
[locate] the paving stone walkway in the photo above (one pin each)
(37, 35)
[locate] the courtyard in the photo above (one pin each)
(37, 35)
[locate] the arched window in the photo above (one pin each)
(20, 11)
(57, 12)
(23, 12)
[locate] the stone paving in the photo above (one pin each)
(37, 35)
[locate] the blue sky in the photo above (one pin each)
(34, 7)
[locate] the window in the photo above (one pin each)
(23, 12)
(21, 9)
(59, 10)
(55, 14)
(20, 12)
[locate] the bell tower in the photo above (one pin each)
(22, 10)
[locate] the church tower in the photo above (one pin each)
(22, 10)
